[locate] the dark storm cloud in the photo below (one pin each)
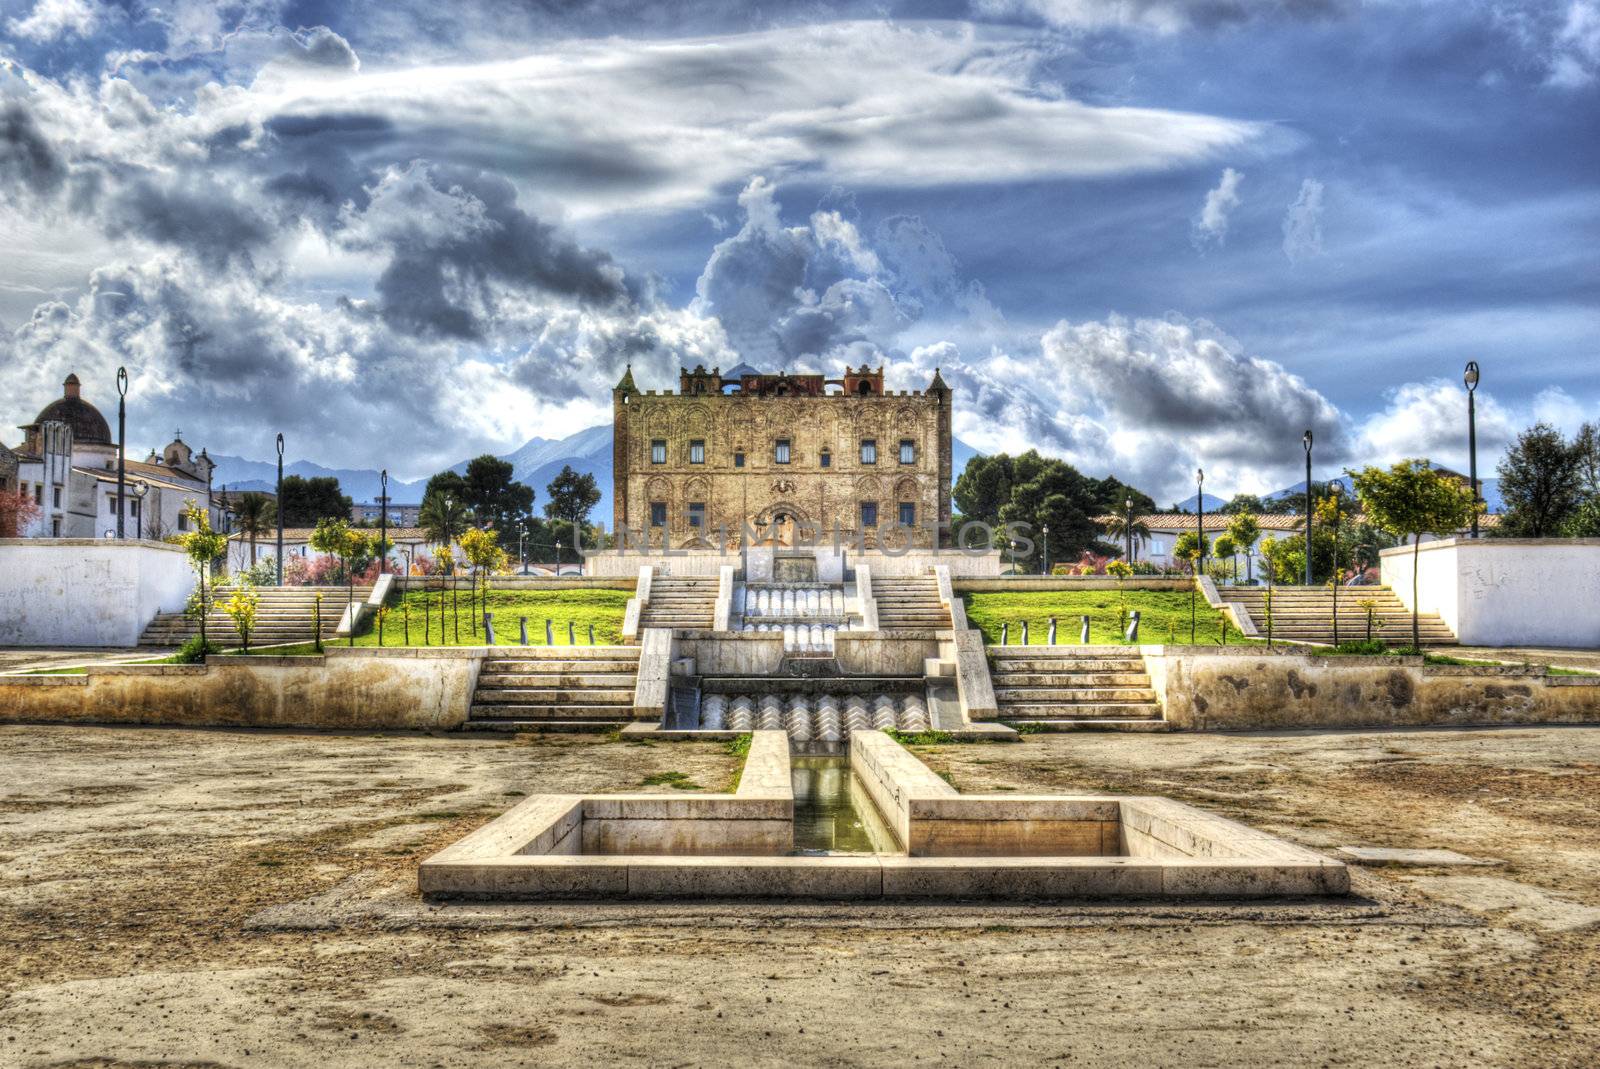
(26, 158)
(203, 216)
(447, 272)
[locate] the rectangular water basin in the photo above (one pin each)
(929, 842)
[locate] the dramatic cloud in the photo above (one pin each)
(1302, 223)
(51, 19)
(1575, 51)
(1163, 16)
(1211, 228)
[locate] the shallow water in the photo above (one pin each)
(832, 813)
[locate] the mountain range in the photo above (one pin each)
(538, 461)
(1285, 500)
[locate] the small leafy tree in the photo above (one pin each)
(481, 547)
(1409, 500)
(1244, 530)
(203, 545)
(1121, 571)
(1226, 549)
(1189, 547)
(18, 512)
(241, 609)
(1192, 555)
(337, 537)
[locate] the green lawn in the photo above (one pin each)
(1163, 616)
(602, 608)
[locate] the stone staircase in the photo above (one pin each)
(909, 603)
(1305, 614)
(1071, 688)
(555, 688)
(688, 601)
(283, 614)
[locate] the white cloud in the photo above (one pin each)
(51, 19)
(1575, 51)
(612, 124)
(1211, 227)
(1302, 223)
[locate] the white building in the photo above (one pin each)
(67, 464)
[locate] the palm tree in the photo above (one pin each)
(443, 519)
(1127, 526)
(255, 514)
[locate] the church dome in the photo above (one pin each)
(88, 425)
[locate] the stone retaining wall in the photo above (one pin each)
(1203, 688)
(353, 689)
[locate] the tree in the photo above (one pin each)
(18, 512)
(1244, 530)
(241, 609)
(571, 497)
(348, 544)
(203, 545)
(496, 499)
(443, 517)
(1585, 519)
(1038, 491)
(1409, 500)
(1542, 482)
(1242, 504)
(305, 501)
(1126, 527)
(1189, 547)
(256, 516)
(1588, 442)
(482, 549)
(1226, 549)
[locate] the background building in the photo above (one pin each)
(781, 451)
(68, 464)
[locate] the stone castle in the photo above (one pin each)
(782, 454)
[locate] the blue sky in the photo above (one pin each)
(1144, 235)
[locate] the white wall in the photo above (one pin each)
(1506, 591)
(87, 592)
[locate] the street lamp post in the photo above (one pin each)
(1471, 379)
(558, 558)
(279, 510)
(1306, 440)
(139, 490)
(122, 427)
(1127, 527)
(1046, 530)
(383, 521)
(1200, 518)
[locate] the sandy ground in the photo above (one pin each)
(22, 659)
(210, 898)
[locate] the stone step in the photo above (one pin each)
(510, 680)
(545, 726)
(1141, 724)
(549, 696)
(515, 711)
(1074, 695)
(1077, 710)
(1063, 651)
(1071, 679)
(1007, 666)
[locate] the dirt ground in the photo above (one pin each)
(230, 898)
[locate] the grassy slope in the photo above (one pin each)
(1158, 609)
(603, 608)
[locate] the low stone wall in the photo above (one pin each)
(884, 653)
(353, 689)
(87, 591)
(1012, 584)
(1206, 688)
(521, 582)
(742, 653)
(616, 564)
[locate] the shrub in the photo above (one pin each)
(194, 651)
(1371, 649)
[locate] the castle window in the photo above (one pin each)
(738, 458)
(658, 451)
(697, 452)
(825, 459)
(908, 451)
(908, 514)
(869, 514)
(658, 514)
(780, 452)
(697, 514)
(55, 496)
(869, 450)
